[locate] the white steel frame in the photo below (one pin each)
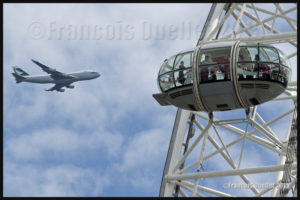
(178, 180)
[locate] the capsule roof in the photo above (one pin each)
(187, 50)
(218, 44)
(255, 44)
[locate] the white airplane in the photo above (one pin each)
(58, 78)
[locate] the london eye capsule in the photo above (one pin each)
(223, 76)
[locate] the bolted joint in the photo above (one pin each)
(211, 116)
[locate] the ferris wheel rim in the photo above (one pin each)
(291, 94)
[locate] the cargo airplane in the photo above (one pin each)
(58, 78)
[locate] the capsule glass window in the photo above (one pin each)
(214, 64)
(283, 59)
(166, 81)
(275, 72)
(247, 67)
(183, 61)
(247, 71)
(183, 77)
(267, 54)
(265, 71)
(214, 56)
(167, 66)
(284, 75)
(247, 54)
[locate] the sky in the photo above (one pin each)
(107, 136)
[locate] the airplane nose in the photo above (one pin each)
(98, 75)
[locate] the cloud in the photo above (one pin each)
(57, 162)
(61, 143)
(108, 136)
(50, 181)
(142, 162)
(145, 147)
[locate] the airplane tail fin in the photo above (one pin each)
(20, 71)
(18, 78)
(19, 74)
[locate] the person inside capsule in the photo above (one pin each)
(204, 71)
(219, 74)
(181, 78)
(214, 65)
(263, 63)
(261, 73)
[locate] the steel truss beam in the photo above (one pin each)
(184, 170)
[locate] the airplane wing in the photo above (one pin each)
(57, 87)
(53, 72)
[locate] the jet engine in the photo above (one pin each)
(61, 90)
(70, 86)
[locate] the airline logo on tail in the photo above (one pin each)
(20, 71)
(19, 74)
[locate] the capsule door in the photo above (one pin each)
(213, 76)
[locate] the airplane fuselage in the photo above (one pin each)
(56, 77)
(77, 76)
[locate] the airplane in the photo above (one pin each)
(58, 78)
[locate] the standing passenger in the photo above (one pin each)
(181, 78)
